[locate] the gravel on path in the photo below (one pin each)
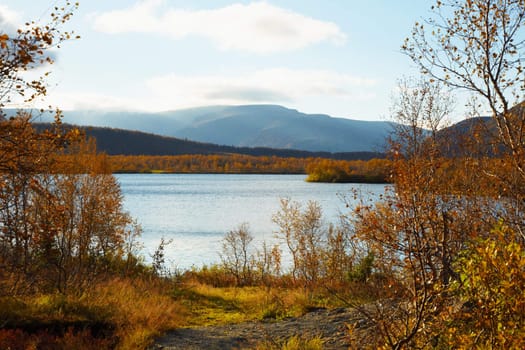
(330, 325)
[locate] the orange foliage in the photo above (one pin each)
(375, 170)
(228, 164)
(329, 170)
(27, 49)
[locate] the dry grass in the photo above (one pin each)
(210, 305)
(293, 343)
(140, 309)
(129, 313)
(119, 313)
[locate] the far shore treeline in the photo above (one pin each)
(317, 169)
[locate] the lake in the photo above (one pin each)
(196, 210)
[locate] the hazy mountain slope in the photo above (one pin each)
(485, 129)
(247, 126)
(279, 127)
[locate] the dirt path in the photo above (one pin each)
(330, 325)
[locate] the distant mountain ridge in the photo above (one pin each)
(269, 126)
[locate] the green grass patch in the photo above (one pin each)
(209, 305)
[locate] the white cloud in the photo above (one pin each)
(8, 20)
(257, 27)
(85, 100)
(322, 91)
(278, 85)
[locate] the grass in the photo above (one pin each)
(293, 343)
(140, 309)
(53, 321)
(129, 313)
(208, 305)
(115, 314)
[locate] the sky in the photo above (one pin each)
(337, 57)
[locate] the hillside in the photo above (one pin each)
(126, 142)
(269, 126)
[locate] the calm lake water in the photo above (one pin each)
(196, 210)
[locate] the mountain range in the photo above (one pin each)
(268, 126)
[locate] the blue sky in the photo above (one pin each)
(339, 57)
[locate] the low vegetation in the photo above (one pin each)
(327, 170)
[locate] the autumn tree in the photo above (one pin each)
(268, 263)
(340, 256)
(62, 223)
(479, 46)
(443, 216)
(24, 153)
(80, 216)
(236, 256)
(419, 228)
(22, 51)
(301, 232)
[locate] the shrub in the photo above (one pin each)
(491, 293)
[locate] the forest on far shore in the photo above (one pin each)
(317, 169)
